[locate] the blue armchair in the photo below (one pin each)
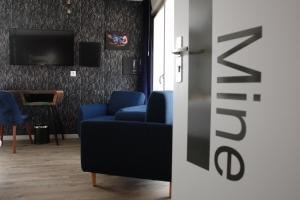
(11, 116)
(138, 143)
(118, 100)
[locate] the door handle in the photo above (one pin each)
(160, 78)
(180, 51)
(183, 50)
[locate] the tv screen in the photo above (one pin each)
(35, 47)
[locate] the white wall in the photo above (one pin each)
(270, 149)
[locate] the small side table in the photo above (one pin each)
(45, 98)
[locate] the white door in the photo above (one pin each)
(236, 111)
(192, 96)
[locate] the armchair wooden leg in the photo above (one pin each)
(14, 138)
(170, 190)
(1, 134)
(29, 131)
(93, 179)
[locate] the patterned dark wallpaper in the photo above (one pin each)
(89, 20)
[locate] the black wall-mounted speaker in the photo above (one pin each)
(89, 54)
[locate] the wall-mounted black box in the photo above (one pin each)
(89, 54)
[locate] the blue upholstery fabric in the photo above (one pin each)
(132, 148)
(160, 107)
(122, 99)
(10, 113)
(126, 148)
(101, 118)
(92, 111)
(118, 100)
(134, 113)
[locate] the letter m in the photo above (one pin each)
(253, 76)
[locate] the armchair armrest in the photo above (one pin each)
(91, 111)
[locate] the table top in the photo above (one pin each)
(36, 91)
(26, 97)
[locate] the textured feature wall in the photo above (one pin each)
(89, 21)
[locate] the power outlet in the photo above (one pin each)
(73, 73)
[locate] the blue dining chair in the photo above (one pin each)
(11, 116)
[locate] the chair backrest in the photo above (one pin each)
(9, 110)
(122, 99)
(160, 107)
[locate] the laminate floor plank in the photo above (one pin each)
(50, 172)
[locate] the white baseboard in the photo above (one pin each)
(25, 137)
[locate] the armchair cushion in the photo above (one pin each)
(92, 111)
(134, 113)
(122, 99)
(101, 118)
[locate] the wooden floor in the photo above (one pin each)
(50, 172)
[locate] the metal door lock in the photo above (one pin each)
(179, 51)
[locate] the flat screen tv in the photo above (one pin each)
(36, 47)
